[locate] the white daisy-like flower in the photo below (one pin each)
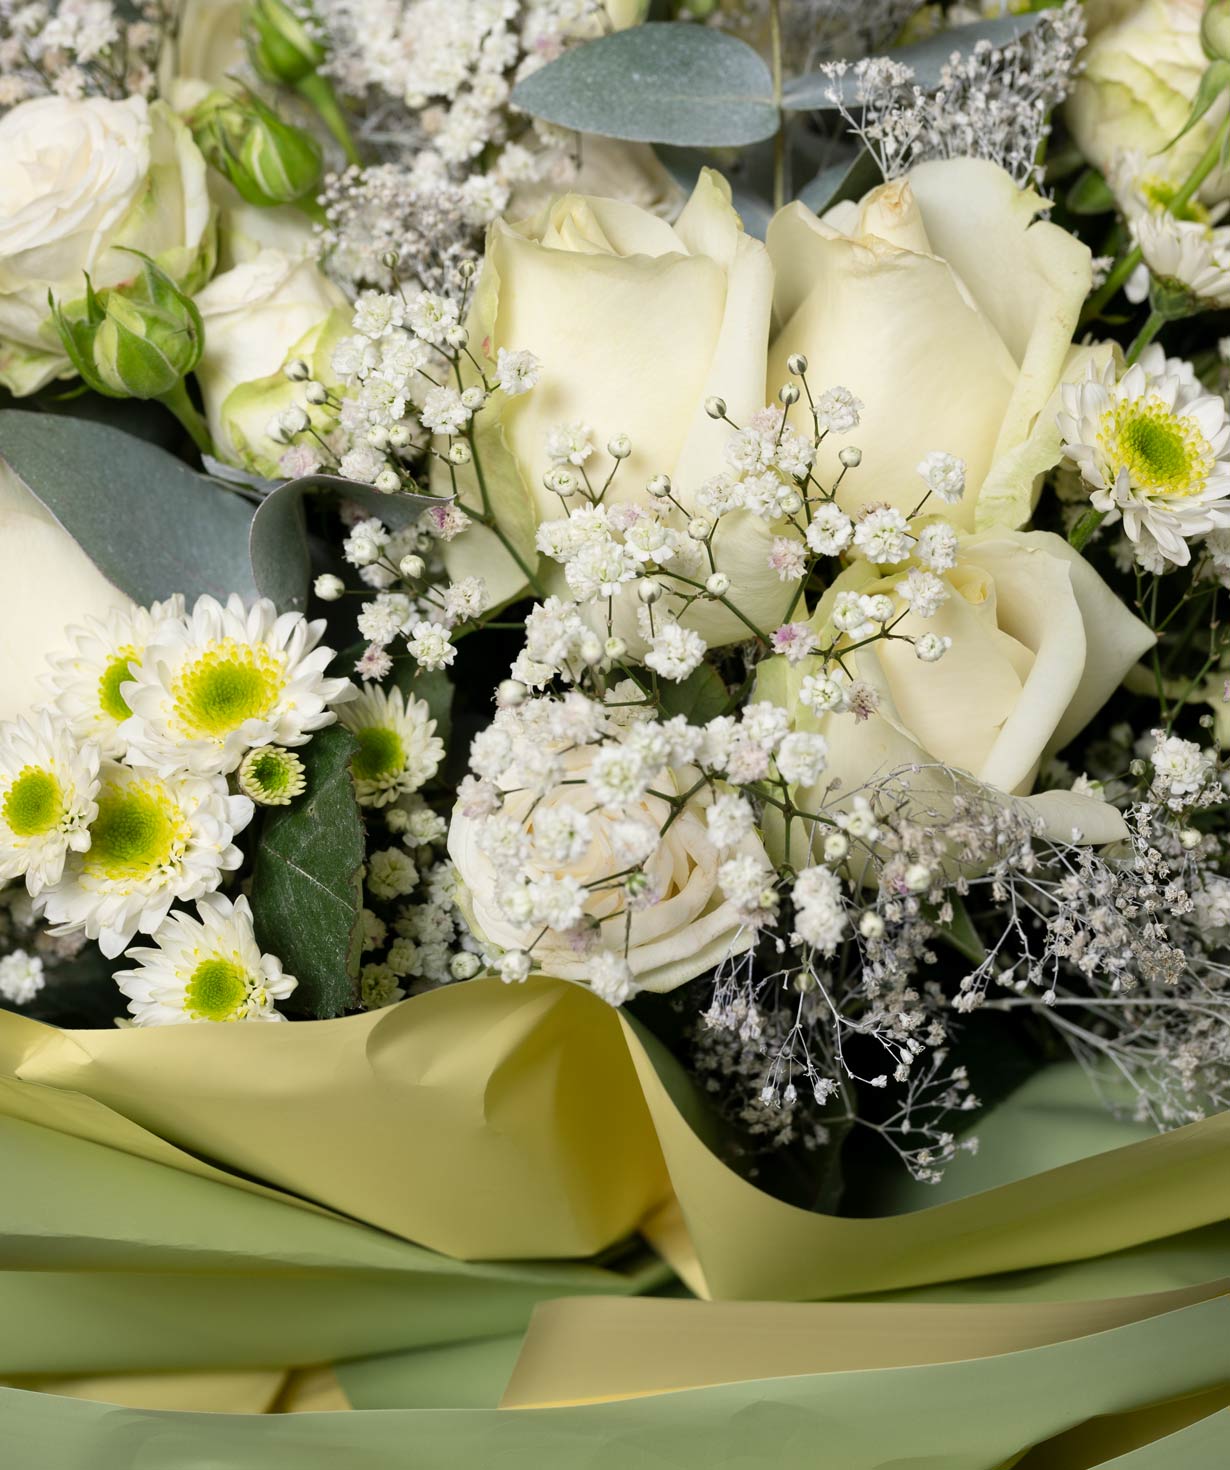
(224, 681)
(1186, 254)
(48, 786)
(1154, 447)
(205, 969)
(153, 840)
(1146, 190)
(399, 750)
(86, 682)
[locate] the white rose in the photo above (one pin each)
(688, 931)
(636, 323)
(1138, 79)
(78, 179)
(608, 169)
(47, 583)
(942, 305)
(259, 316)
(1039, 643)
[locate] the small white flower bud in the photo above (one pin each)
(459, 452)
(412, 567)
(387, 481)
(274, 429)
(316, 393)
(717, 584)
(464, 965)
(804, 982)
(560, 481)
(294, 421)
(400, 435)
(390, 260)
(615, 648)
(791, 503)
(1190, 838)
(514, 966)
(851, 457)
(620, 447)
(328, 587)
(466, 269)
(297, 370)
(457, 337)
(1137, 767)
(591, 649)
(788, 393)
(836, 846)
(918, 878)
(473, 398)
(796, 363)
(377, 437)
(659, 487)
(871, 925)
(510, 693)
(648, 591)
(715, 408)
(700, 529)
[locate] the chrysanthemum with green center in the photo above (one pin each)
(48, 786)
(398, 749)
(208, 968)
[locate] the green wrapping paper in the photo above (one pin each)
(201, 1219)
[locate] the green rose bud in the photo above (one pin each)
(280, 46)
(1215, 30)
(268, 160)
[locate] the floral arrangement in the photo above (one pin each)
(649, 577)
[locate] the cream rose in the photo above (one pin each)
(636, 323)
(1039, 643)
(80, 178)
(690, 928)
(47, 583)
(1138, 79)
(942, 305)
(258, 317)
(609, 169)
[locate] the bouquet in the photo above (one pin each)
(642, 584)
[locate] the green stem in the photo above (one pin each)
(1085, 528)
(1116, 278)
(779, 138)
(182, 407)
(1151, 328)
(1204, 167)
(319, 92)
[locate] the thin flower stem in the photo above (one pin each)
(1156, 321)
(779, 138)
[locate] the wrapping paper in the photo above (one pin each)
(208, 1236)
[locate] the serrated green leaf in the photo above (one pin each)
(277, 544)
(150, 525)
(926, 59)
(307, 893)
(664, 82)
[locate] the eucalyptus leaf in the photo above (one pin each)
(306, 892)
(278, 548)
(850, 179)
(151, 525)
(926, 59)
(664, 82)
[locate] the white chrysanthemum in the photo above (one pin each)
(399, 750)
(1187, 254)
(86, 682)
(154, 840)
(48, 786)
(1154, 447)
(205, 969)
(224, 681)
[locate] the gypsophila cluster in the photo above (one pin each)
(79, 48)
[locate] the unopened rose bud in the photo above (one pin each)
(279, 46)
(268, 160)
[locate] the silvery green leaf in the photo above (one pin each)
(849, 179)
(664, 82)
(926, 59)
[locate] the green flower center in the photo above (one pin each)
(110, 700)
(216, 990)
(1160, 195)
(230, 683)
(34, 803)
(380, 753)
(139, 829)
(1163, 453)
(272, 772)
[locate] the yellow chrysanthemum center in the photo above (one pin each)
(1163, 452)
(380, 754)
(34, 803)
(110, 700)
(140, 828)
(227, 684)
(217, 989)
(1159, 194)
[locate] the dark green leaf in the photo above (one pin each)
(307, 894)
(1090, 194)
(702, 696)
(281, 565)
(658, 83)
(926, 59)
(850, 179)
(151, 525)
